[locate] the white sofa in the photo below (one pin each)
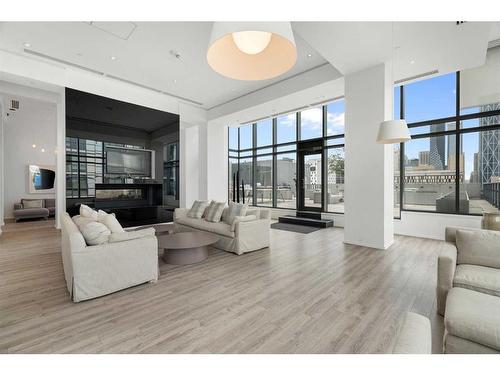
(476, 266)
(246, 236)
(94, 271)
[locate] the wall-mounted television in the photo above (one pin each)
(129, 162)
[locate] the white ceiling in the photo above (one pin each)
(143, 51)
(415, 47)
(143, 54)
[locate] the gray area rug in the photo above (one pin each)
(294, 228)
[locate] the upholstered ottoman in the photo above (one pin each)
(472, 322)
(414, 336)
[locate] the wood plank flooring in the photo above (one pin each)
(306, 294)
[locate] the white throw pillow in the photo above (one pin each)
(86, 211)
(214, 211)
(197, 210)
(236, 209)
(95, 233)
(110, 221)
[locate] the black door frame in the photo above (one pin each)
(313, 147)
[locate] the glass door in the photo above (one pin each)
(310, 184)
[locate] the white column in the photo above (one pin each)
(217, 161)
(61, 156)
(1, 164)
(369, 170)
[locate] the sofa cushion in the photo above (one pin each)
(31, 213)
(481, 248)
(218, 228)
(132, 235)
(239, 219)
(94, 232)
(32, 203)
(236, 209)
(110, 221)
(473, 316)
(197, 209)
(478, 278)
(214, 211)
(86, 211)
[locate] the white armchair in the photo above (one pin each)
(93, 271)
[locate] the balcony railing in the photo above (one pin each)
(491, 192)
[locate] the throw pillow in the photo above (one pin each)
(236, 209)
(86, 211)
(197, 210)
(132, 235)
(215, 211)
(110, 221)
(239, 219)
(208, 208)
(93, 232)
(32, 203)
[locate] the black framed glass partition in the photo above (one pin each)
(263, 156)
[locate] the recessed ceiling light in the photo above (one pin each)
(113, 58)
(174, 81)
(26, 45)
(43, 150)
(309, 55)
(33, 145)
(412, 62)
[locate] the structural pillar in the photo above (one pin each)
(369, 166)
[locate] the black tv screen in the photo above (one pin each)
(128, 162)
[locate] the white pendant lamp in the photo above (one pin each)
(393, 131)
(251, 51)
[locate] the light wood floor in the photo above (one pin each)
(308, 294)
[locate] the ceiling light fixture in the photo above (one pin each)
(33, 145)
(412, 62)
(251, 51)
(309, 55)
(26, 45)
(43, 150)
(393, 131)
(113, 58)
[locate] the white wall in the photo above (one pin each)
(2, 113)
(34, 123)
(369, 187)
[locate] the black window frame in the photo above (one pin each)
(275, 153)
(458, 131)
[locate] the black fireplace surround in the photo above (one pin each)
(133, 204)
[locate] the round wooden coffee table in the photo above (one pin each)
(186, 247)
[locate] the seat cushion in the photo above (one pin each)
(478, 278)
(31, 213)
(473, 316)
(481, 248)
(220, 228)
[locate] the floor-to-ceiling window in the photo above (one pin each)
(263, 158)
(452, 162)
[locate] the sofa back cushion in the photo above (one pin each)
(197, 209)
(214, 211)
(32, 203)
(480, 248)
